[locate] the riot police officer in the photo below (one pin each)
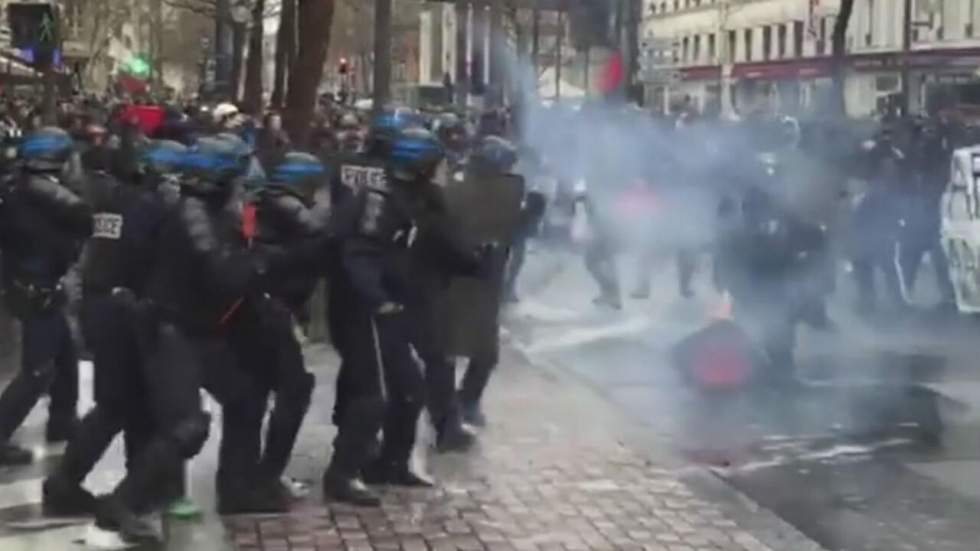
(376, 275)
(290, 223)
(42, 227)
(201, 273)
(353, 173)
(772, 263)
(115, 270)
(474, 303)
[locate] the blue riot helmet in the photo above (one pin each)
(385, 128)
(163, 158)
(45, 150)
(296, 168)
(298, 172)
(494, 155)
(415, 155)
(215, 162)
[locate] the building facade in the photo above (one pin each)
(743, 56)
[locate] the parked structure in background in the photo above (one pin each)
(742, 56)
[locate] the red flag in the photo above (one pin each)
(612, 74)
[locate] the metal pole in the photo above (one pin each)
(382, 54)
(587, 55)
(559, 40)
(906, 50)
(462, 29)
(222, 46)
(535, 37)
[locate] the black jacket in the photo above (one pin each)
(293, 233)
(127, 223)
(204, 269)
(42, 228)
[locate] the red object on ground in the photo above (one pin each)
(719, 357)
(148, 117)
(613, 74)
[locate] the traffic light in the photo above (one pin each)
(34, 29)
(138, 67)
(343, 67)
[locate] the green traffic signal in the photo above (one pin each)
(138, 66)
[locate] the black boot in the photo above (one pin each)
(11, 455)
(349, 490)
(352, 451)
(113, 515)
(473, 414)
(262, 498)
(381, 472)
(63, 499)
(452, 436)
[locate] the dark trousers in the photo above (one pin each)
(268, 353)
(380, 386)
(911, 250)
(865, 267)
(475, 381)
(109, 327)
(600, 261)
(173, 367)
(48, 365)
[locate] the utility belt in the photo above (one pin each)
(27, 299)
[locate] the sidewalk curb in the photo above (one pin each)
(752, 517)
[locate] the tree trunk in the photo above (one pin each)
(314, 21)
(382, 55)
(252, 100)
(238, 33)
(157, 34)
(285, 51)
(838, 47)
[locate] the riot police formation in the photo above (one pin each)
(199, 256)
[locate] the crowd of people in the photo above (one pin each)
(198, 235)
(197, 240)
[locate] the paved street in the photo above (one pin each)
(558, 468)
(595, 443)
(876, 449)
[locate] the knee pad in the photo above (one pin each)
(191, 434)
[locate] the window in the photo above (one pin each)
(677, 5)
(712, 54)
(781, 41)
(748, 44)
(663, 7)
(684, 49)
(766, 43)
(732, 43)
(696, 55)
(797, 39)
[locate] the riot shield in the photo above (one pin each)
(485, 208)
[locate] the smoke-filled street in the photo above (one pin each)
(875, 448)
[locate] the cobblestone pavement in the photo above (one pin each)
(552, 472)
